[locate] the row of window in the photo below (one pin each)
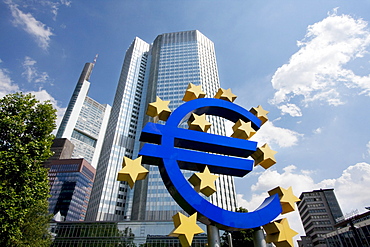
(64, 167)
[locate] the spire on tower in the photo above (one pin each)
(96, 57)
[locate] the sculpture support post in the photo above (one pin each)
(259, 237)
(213, 236)
(230, 239)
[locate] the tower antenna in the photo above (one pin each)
(96, 57)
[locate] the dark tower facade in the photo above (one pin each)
(319, 210)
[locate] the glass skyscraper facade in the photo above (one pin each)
(88, 134)
(163, 69)
(85, 121)
(109, 197)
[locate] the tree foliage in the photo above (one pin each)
(35, 227)
(242, 238)
(25, 140)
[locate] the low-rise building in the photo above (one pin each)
(71, 181)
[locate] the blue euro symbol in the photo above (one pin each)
(172, 148)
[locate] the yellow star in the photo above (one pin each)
(264, 156)
(204, 182)
(198, 123)
(243, 130)
(159, 109)
(280, 233)
(260, 113)
(287, 198)
(132, 171)
(193, 92)
(225, 95)
(185, 228)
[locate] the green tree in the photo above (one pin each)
(25, 140)
(242, 238)
(35, 228)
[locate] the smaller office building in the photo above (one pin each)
(351, 232)
(71, 181)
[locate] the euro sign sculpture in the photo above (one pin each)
(172, 148)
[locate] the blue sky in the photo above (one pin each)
(307, 62)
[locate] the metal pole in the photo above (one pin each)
(230, 239)
(259, 237)
(213, 236)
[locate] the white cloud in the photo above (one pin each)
(6, 83)
(45, 6)
(362, 82)
(31, 73)
(317, 131)
(42, 77)
(35, 28)
(349, 189)
(55, 6)
(368, 147)
(273, 135)
(317, 69)
(271, 178)
(66, 2)
(290, 109)
(54, 10)
(29, 69)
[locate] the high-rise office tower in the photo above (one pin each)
(319, 210)
(163, 69)
(109, 197)
(85, 121)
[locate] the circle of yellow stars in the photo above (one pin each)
(279, 231)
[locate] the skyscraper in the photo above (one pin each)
(85, 121)
(319, 210)
(163, 69)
